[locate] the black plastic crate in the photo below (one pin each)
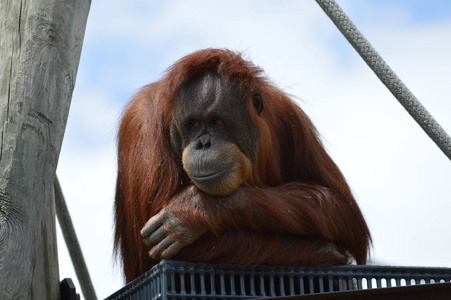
(183, 280)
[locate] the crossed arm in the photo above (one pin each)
(312, 213)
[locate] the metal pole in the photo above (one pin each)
(70, 237)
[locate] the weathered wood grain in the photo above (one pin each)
(45, 282)
(40, 46)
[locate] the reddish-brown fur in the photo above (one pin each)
(303, 200)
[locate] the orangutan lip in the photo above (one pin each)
(209, 176)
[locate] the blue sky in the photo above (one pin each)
(399, 177)
(418, 11)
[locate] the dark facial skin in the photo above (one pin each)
(213, 134)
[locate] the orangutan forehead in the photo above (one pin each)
(208, 92)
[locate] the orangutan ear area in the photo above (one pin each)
(217, 165)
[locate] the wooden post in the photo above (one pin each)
(40, 46)
(45, 282)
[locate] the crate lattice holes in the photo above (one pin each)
(184, 280)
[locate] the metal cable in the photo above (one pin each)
(70, 237)
(387, 76)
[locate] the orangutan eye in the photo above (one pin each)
(193, 124)
(217, 122)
